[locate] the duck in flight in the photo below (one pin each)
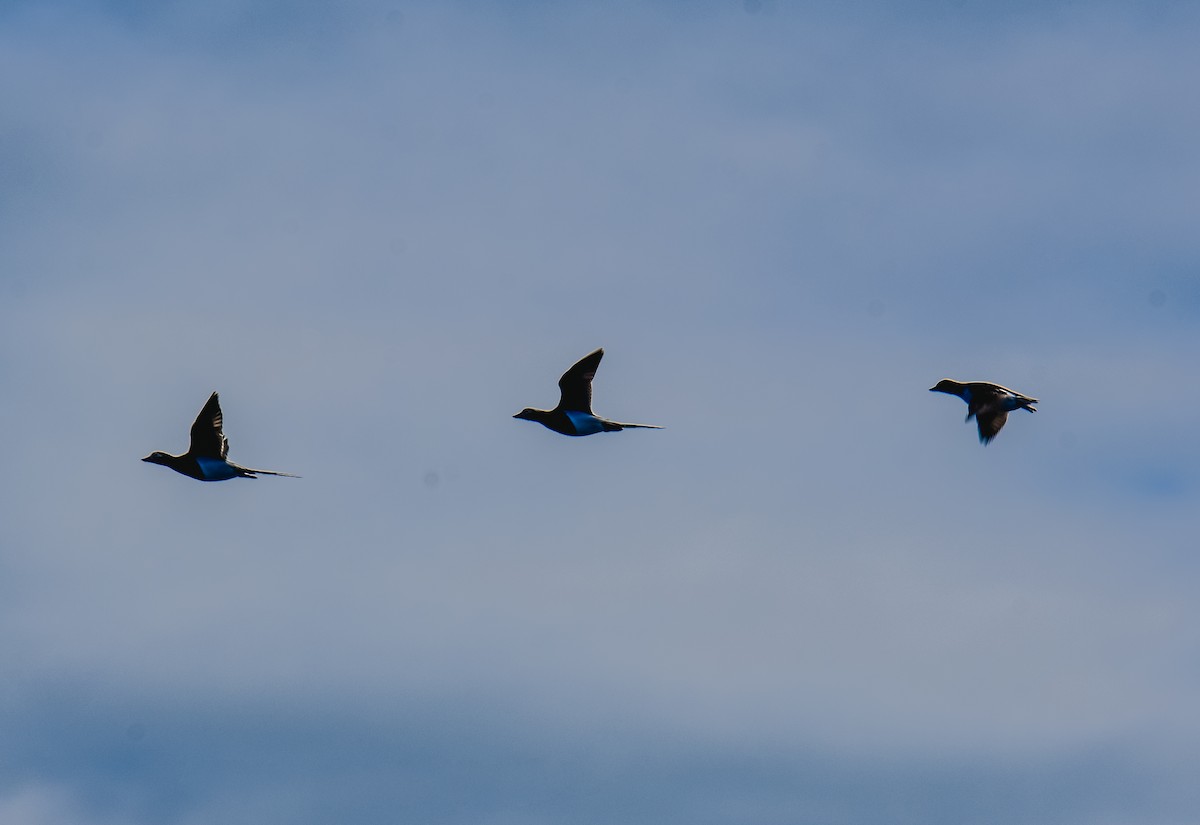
(573, 415)
(205, 458)
(988, 404)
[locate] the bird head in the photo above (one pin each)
(946, 385)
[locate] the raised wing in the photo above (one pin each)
(576, 383)
(207, 438)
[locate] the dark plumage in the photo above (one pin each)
(989, 404)
(573, 415)
(205, 459)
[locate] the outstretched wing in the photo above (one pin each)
(207, 438)
(990, 420)
(576, 383)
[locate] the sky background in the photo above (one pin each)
(380, 229)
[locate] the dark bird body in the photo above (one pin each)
(205, 459)
(573, 415)
(988, 404)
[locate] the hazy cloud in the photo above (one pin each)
(379, 230)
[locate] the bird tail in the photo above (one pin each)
(249, 472)
(621, 425)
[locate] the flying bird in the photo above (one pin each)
(988, 404)
(573, 415)
(205, 459)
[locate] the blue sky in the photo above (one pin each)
(379, 230)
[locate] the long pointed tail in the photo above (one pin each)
(249, 472)
(621, 425)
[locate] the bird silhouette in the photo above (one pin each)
(989, 404)
(573, 415)
(205, 459)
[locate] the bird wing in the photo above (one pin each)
(576, 383)
(998, 390)
(990, 420)
(207, 438)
